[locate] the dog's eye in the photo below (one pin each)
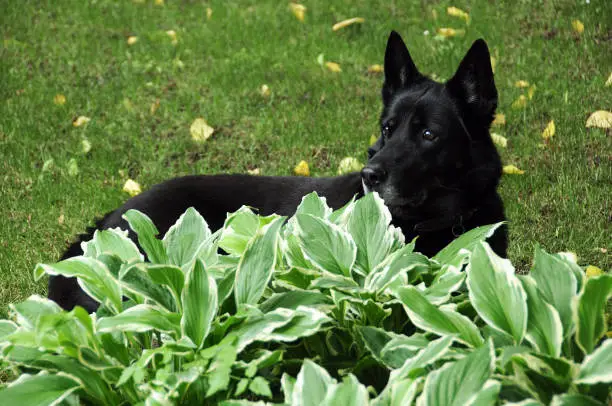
(387, 128)
(428, 135)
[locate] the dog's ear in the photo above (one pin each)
(400, 71)
(473, 84)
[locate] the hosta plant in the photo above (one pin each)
(324, 308)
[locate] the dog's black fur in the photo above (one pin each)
(434, 165)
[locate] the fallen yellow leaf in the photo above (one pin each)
(601, 119)
(449, 32)
(60, 219)
(255, 171)
(159, 2)
(80, 121)
(172, 35)
(333, 66)
(85, 145)
(609, 81)
(298, 11)
(373, 139)
(499, 120)
(592, 270)
(349, 164)
(457, 12)
(302, 169)
(346, 23)
(209, 13)
(578, 26)
(73, 167)
(493, 63)
(132, 40)
(549, 131)
(521, 84)
(200, 130)
(499, 140)
(531, 92)
(131, 187)
(376, 68)
(154, 106)
(59, 99)
(512, 170)
(264, 91)
(520, 103)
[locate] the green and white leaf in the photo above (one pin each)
(496, 293)
(200, 300)
(314, 205)
(590, 311)
(238, 229)
(184, 239)
(557, 283)
(325, 244)
(147, 236)
(140, 318)
(441, 321)
(435, 350)
(574, 400)
(348, 392)
(257, 264)
(597, 366)
(544, 328)
(311, 385)
(38, 390)
(459, 249)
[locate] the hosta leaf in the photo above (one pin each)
(305, 321)
(466, 241)
(573, 400)
(137, 280)
(93, 277)
(314, 205)
(369, 226)
(597, 366)
(140, 318)
(287, 384)
(435, 350)
(443, 322)
(260, 386)
(199, 298)
(257, 264)
(544, 329)
(341, 216)
(398, 393)
(488, 395)
(557, 283)
(115, 242)
(496, 293)
(238, 229)
(325, 244)
(39, 390)
(184, 239)
(311, 385)
(294, 299)
(448, 280)
(7, 327)
(220, 368)
(28, 313)
(348, 392)
(402, 260)
(589, 311)
(455, 384)
(169, 275)
(147, 236)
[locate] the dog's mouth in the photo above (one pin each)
(395, 201)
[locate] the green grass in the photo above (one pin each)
(79, 49)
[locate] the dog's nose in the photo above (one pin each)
(373, 175)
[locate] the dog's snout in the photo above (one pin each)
(373, 175)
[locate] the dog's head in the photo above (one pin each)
(433, 135)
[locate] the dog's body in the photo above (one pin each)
(434, 165)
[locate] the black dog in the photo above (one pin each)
(434, 165)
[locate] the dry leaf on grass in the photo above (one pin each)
(549, 131)
(578, 26)
(449, 32)
(520, 103)
(333, 66)
(85, 146)
(132, 40)
(512, 170)
(457, 12)
(521, 84)
(172, 35)
(376, 68)
(264, 91)
(346, 23)
(601, 119)
(298, 11)
(302, 169)
(493, 63)
(609, 81)
(499, 140)
(349, 164)
(200, 130)
(132, 187)
(373, 139)
(531, 92)
(209, 13)
(59, 99)
(255, 171)
(73, 167)
(80, 121)
(60, 219)
(499, 120)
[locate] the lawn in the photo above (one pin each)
(142, 98)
